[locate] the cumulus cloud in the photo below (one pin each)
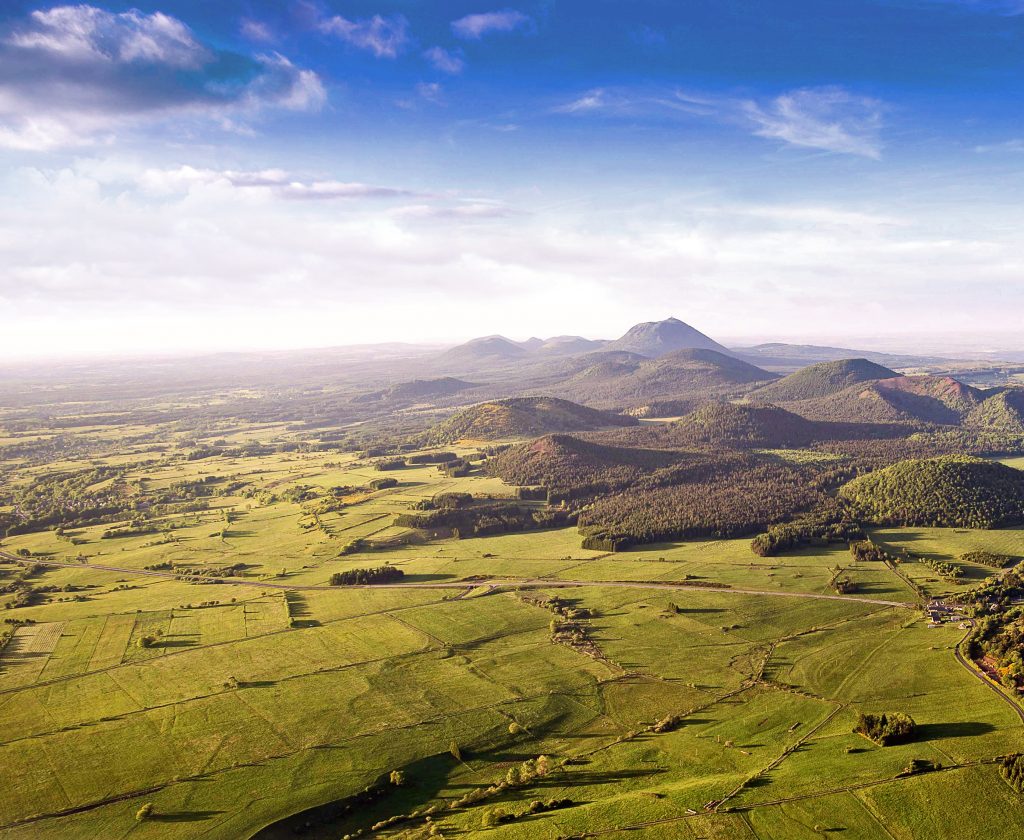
(445, 61)
(830, 119)
(88, 34)
(385, 37)
(474, 27)
(74, 75)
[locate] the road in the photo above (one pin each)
(535, 583)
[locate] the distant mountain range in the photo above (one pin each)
(670, 369)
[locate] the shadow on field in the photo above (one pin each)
(428, 578)
(957, 729)
(184, 816)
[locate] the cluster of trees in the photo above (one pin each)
(1011, 768)
(730, 504)
(867, 551)
(887, 728)
(483, 519)
(455, 469)
(390, 464)
(949, 571)
(363, 577)
(432, 458)
(999, 637)
(825, 525)
(988, 558)
(445, 501)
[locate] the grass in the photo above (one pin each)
(267, 703)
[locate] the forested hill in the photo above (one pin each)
(955, 491)
(523, 417)
(823, 379)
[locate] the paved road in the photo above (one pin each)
(539, 583)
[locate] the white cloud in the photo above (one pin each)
(592, 100)
(383, 36)
(255, 30)
(474, 27)
(88, 34)
(830, 119)
(445, 61)
(77, 75)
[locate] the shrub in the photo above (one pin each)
(145, 812)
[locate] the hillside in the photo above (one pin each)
(1003, 411)
(938, 400)
(418, 389)
(492, 349)
(523, 417)
(629, 380)
(568, 345)
(656, 338)
(953, 491)
(823, 379)
(561, 461)
(743, 425)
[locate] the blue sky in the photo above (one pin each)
(195, 175)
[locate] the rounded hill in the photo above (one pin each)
(953, 491)
(823, 379)
(743, 425)
(523, 417)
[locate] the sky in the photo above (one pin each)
(181, 175)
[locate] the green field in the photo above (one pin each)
(276, 694)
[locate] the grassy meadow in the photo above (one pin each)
(227, 708)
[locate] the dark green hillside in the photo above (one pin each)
(523, 417)
(823, 379)
(955, 491)
(727, 495)
(571, 467)
(743, 425)
(1002, 412)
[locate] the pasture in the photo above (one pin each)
(231, 706)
